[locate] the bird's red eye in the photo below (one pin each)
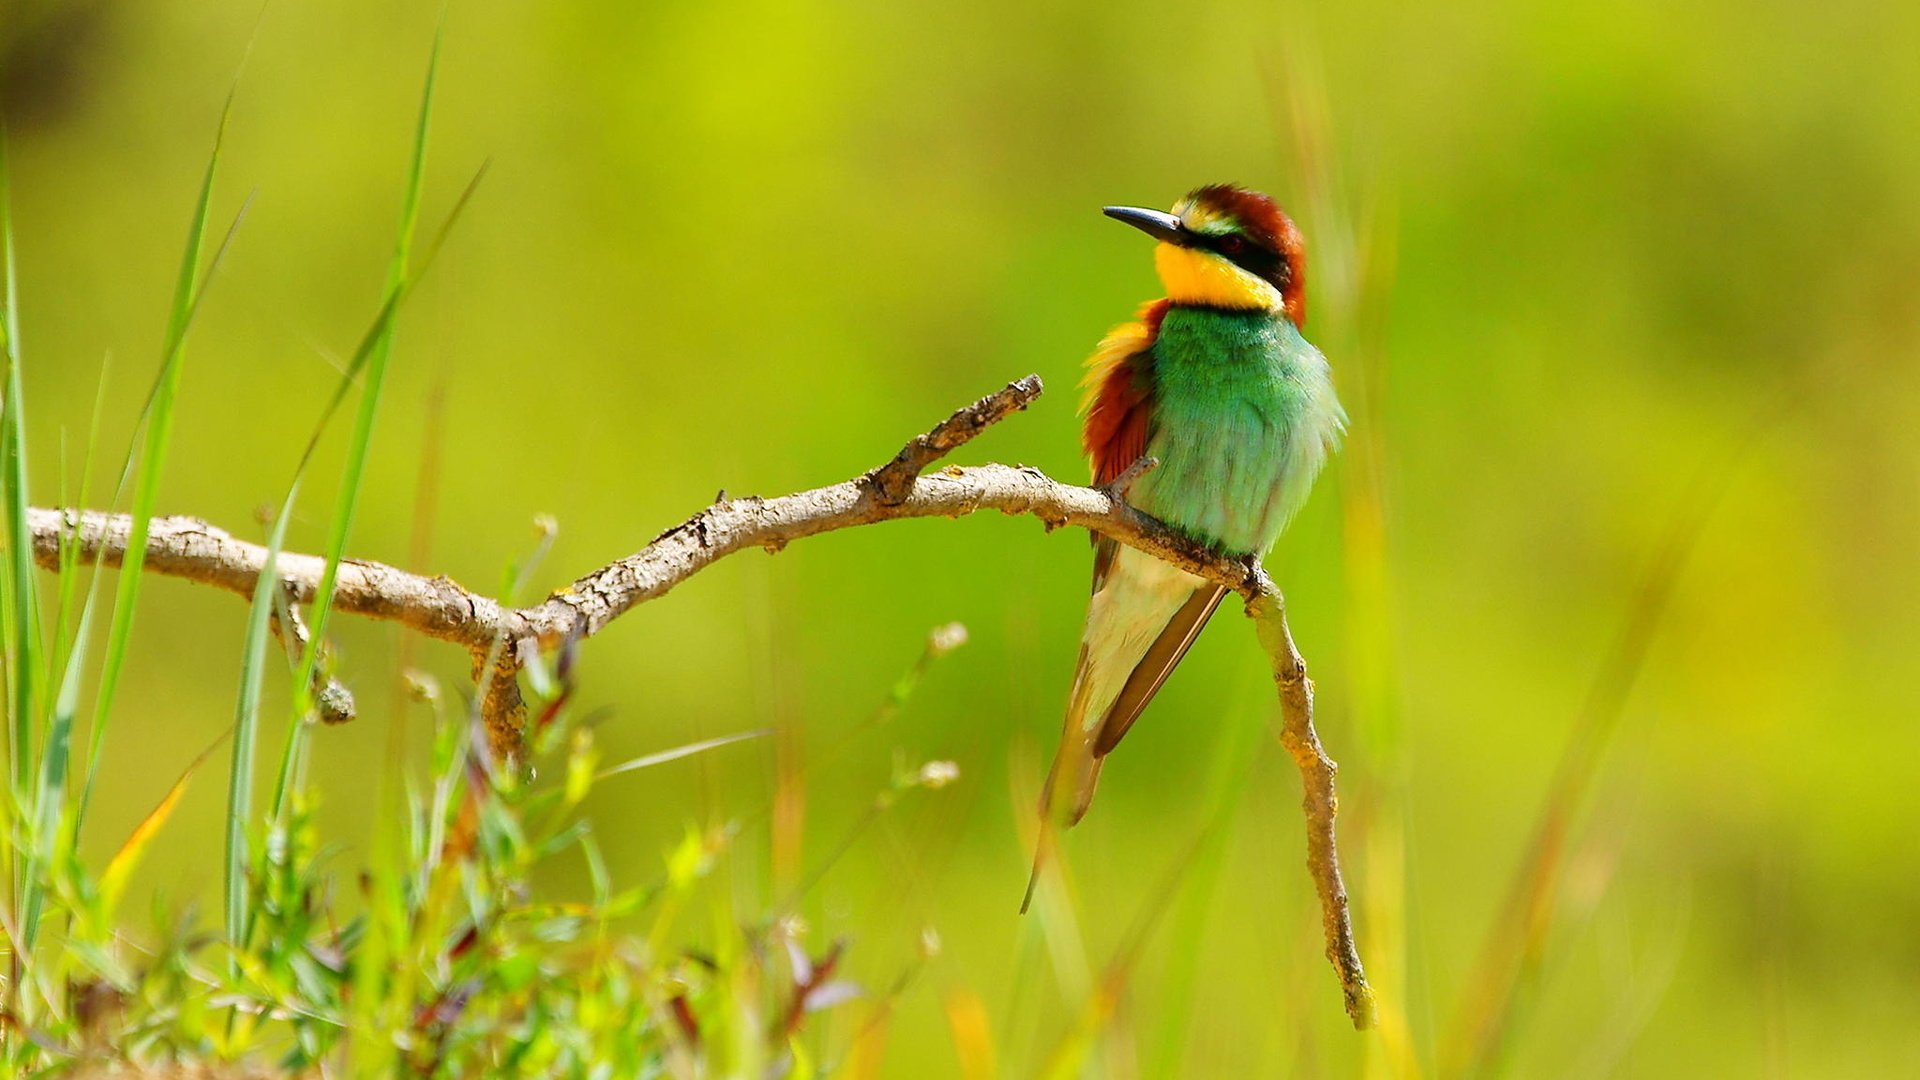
(1231, 245)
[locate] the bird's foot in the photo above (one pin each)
(1251, 564)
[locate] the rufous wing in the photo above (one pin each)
(1118, 408)
(1118, 405)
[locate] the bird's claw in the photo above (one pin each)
(1251, 564)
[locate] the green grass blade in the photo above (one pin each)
(376, 374)
(153, 450)
(382, 326)
(246, 728)
(23, 638)
(648, 761)
(53, 776)
(371, 358)
(69, 573)
(246, 724)
(148, 418)
(390, 305)
(21, 612)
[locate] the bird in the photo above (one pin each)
(1216, 383)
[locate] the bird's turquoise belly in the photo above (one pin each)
(1243, 416)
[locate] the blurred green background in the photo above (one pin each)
(1567, 259)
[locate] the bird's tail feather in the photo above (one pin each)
(1143, 617)
(1071, 780)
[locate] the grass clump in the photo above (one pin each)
(442, 960)
(435, 953)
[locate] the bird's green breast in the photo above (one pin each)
(1244, 416)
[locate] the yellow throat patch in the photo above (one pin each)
(1193, 276)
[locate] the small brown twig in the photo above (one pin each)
(331, 698)
(894, 480)
(502, 639)
(1121, 484)
(1318, 800)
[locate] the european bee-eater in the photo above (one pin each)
(1215, 381)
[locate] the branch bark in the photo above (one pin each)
(501, 639)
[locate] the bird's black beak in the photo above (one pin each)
(1161, 226)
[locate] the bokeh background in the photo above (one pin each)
(1591, 276)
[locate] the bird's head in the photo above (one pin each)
(1226, 247)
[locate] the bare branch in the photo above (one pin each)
(1318, 800)
(190, 548)
(894, 480)
(501, 639)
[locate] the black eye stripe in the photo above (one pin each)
(1251, 257)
